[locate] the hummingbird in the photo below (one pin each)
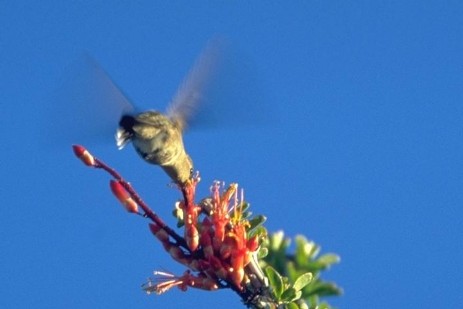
(158, 137)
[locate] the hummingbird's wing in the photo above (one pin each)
(86, 105)
(108, 89)
(192, 90)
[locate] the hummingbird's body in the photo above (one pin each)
(158, 140)
(157, 137)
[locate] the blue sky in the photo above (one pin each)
(359, 148)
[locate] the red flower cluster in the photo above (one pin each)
(219, 246)
(215, 247)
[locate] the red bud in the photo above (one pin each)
(191, 237)
(237, 274)
(83, 155)
(123, 196)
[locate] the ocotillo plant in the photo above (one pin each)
(223, 246)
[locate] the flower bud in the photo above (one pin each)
(123, 196)
(83, 155)
(191, 237)
(236, 275)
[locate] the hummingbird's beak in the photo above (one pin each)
(125, 131)
(122, 137)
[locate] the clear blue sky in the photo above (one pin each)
(364, 155)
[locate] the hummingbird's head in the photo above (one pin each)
(125, 131)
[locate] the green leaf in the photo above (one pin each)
(277, 241)
(302, 304)
(259, 230)
(323, 306)
(275, 280)
(305, 250)
(328, 259)
(291, 271)
(256, 221)
(292, 305)
(302, 281)
(323, 289)
(262, 253)
(290, 295)
(246, 214)
(245, 206)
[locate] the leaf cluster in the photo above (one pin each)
(295, 277)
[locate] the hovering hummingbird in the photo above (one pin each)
(158, 137)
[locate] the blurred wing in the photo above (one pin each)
(109, 91)
(192, 90)
(86, 107)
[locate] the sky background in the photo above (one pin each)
(357, 143)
